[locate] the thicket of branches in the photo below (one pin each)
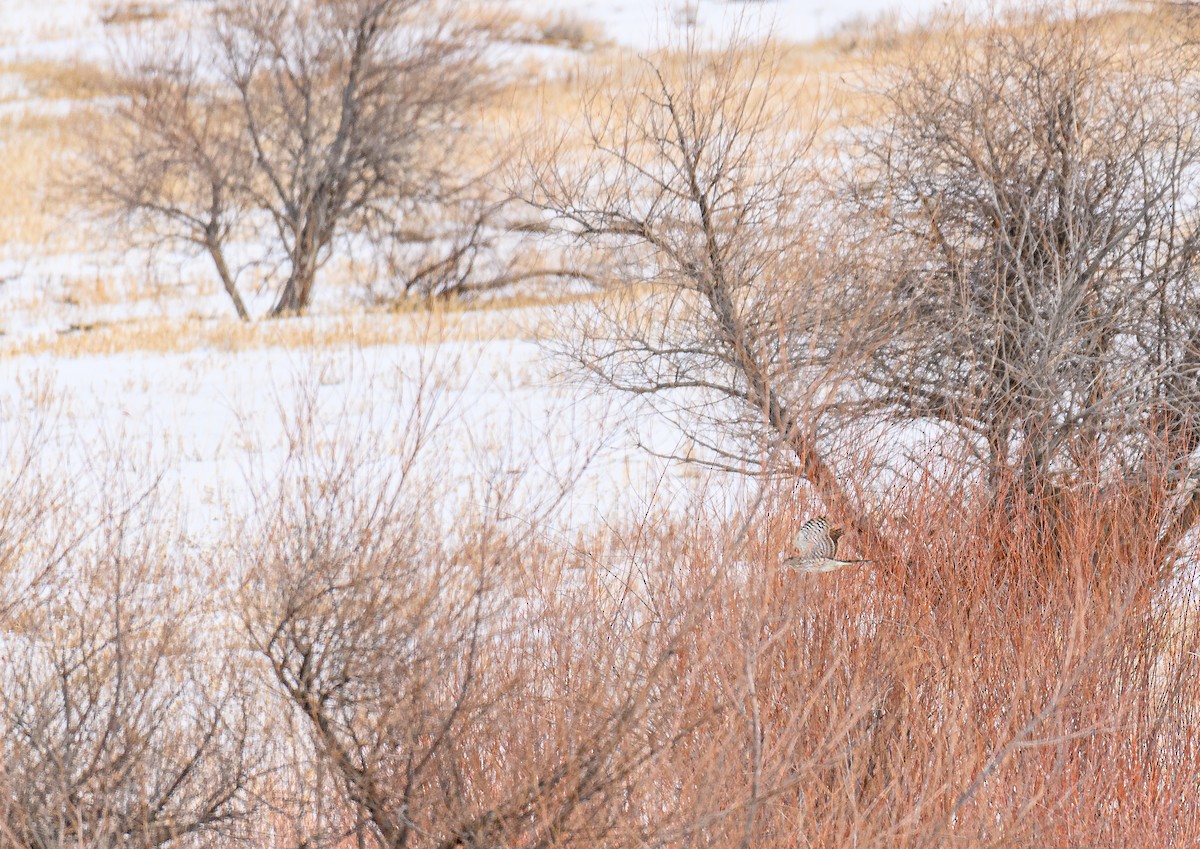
(968, 332)
(125, 717)
(1032, 195)
(387, 675)
(996, 271)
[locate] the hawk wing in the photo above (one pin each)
(814, 540)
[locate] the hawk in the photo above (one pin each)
(816, 548)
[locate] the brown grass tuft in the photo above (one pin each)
(127, 13)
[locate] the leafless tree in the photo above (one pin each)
(700, 176)
(297, 126)
(1033, 194)
(171, 162)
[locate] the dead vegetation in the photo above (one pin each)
(416, 324)
(969, 335)
(384, 673)
(127, 13)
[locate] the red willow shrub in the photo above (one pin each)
(1020, 671)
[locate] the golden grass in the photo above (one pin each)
(31, 146)
(126, 14)
(38, 140)
(61, 80)
(849, 65)
(422, 323)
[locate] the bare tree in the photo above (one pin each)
(333, 155)
(171, 163)
(294, 125)
(700, 178)
(1031, 197)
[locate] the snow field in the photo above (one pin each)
(209, 422)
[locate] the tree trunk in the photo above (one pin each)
(297, 290)
(218, 258)
(294, 297)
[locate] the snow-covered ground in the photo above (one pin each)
(208, 421)
(213, 424)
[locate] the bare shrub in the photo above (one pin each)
(461, 682)
(449, 250)
(464, 679)
(993, 694)
(120, 724)
(36, 531)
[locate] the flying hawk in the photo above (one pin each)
(816, 548)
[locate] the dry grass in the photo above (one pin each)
(850, 63)
(40, 141)
(61, 79)
(449, 320)
(128, 13)
(833, 77)
(32, 147)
